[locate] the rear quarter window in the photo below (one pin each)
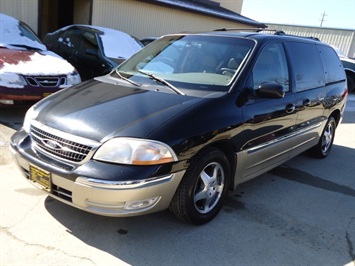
(333, 67)
(307, 65)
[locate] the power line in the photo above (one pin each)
(322, 19)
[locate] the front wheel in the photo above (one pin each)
(203, 188)
(322, 149)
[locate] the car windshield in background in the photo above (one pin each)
(124, 48)
(193, 62)
(15, 34)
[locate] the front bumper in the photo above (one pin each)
(104, 197)
(9, 96)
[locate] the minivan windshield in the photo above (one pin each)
(191, 62)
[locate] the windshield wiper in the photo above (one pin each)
(28, 47)
(126, 79)
(163, 81)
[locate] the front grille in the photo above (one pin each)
(46, 82)
(58, 146)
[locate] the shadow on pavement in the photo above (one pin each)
(12, 116)
(146, 240)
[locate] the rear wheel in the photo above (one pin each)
(203, 188)
(322, 149)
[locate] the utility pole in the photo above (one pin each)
(322, 19)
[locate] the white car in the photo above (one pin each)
(349, 67)
(28, 71)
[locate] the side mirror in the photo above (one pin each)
(271, 90)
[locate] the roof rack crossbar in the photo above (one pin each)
(261, 30)
(240, 29)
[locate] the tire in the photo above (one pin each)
(322, 149)
(201, 193)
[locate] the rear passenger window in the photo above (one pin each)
(307, 65)
(71, 39)
(333, 67)
(271, 66)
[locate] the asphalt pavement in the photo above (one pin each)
(301, 213)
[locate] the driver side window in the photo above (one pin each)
(88, 42)
(271, 66)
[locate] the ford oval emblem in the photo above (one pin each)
(52, 144)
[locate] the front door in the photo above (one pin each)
(269, 123)
(89, 57)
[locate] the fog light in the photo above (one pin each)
(141, 204)
(7, 101)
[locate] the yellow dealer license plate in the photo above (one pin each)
(41, 177)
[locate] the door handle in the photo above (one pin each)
(290, 108)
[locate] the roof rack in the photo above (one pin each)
(240, 29)
(280, 32)
(261, 30)
(276, 32)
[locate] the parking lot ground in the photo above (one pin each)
(301, 213)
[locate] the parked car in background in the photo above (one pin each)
(94, 51)
(349, 66)
(28, 72)
(180, 131)
(148, 40)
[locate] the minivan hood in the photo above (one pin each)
(98, 110)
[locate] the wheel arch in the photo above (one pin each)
(336, 114)
(226, 147)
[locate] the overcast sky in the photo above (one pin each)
(338, 13)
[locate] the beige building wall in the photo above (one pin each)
(233, 5)
(81, 12)
(27, 11)
(143, 20)
(341, 38)
(137, 18)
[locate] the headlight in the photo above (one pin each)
(30, 115)
(12, 80)
(135, 152)
(73, 78)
